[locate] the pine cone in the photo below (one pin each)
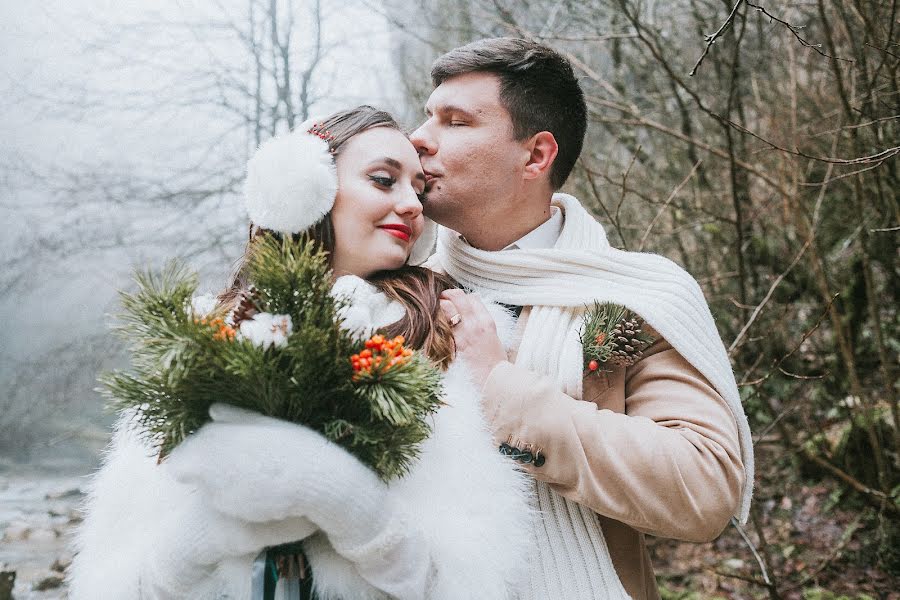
(628, 343)
(246, 308)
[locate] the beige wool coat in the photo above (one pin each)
(651, 448)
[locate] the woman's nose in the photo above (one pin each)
(409, 204)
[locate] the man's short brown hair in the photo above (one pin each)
(537, 87)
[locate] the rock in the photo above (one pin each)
(63, 494)
(17, 532)
(734, 564)
(43, 535)
(61, 564)
(7, 582)
(75, 515)
(59, 524)
(50, 581)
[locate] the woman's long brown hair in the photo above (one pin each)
(417, 289)
(424, 325)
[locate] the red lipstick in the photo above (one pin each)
(398, 230)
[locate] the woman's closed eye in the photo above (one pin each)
(383, 180)
(386, 181)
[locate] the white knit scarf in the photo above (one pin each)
(582, 268)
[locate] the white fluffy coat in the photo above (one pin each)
(470, 504)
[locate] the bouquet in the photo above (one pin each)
(282, 351)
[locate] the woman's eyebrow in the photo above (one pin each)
(393, 162)
(387, 160)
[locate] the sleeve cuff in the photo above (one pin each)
(526, 410)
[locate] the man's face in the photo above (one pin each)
(472, 163)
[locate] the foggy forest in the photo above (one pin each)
(754, 143)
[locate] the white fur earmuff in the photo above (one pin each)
(291, 181)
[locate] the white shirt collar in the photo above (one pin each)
(542, 236)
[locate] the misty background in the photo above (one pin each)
(754, 143)
(126, 128)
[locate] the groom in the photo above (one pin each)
(658, 447)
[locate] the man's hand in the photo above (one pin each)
(475, 333)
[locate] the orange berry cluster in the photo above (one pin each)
(380, 353)
(594, 365)
(224, 332)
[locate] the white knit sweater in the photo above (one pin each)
(469, 504)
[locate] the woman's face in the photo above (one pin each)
(377, 214)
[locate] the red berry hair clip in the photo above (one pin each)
(319, 131)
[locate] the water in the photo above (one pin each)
(38, 512)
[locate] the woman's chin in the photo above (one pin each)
(393, 260)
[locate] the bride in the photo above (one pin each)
(457, 526)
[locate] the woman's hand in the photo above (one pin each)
(475, 333)
(191, 539)
(259, 469)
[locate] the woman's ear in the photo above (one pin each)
(543, 149)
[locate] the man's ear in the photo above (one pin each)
(543, 149)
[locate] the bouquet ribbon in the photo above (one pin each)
(287, 562)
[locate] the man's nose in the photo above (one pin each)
(422, 139)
